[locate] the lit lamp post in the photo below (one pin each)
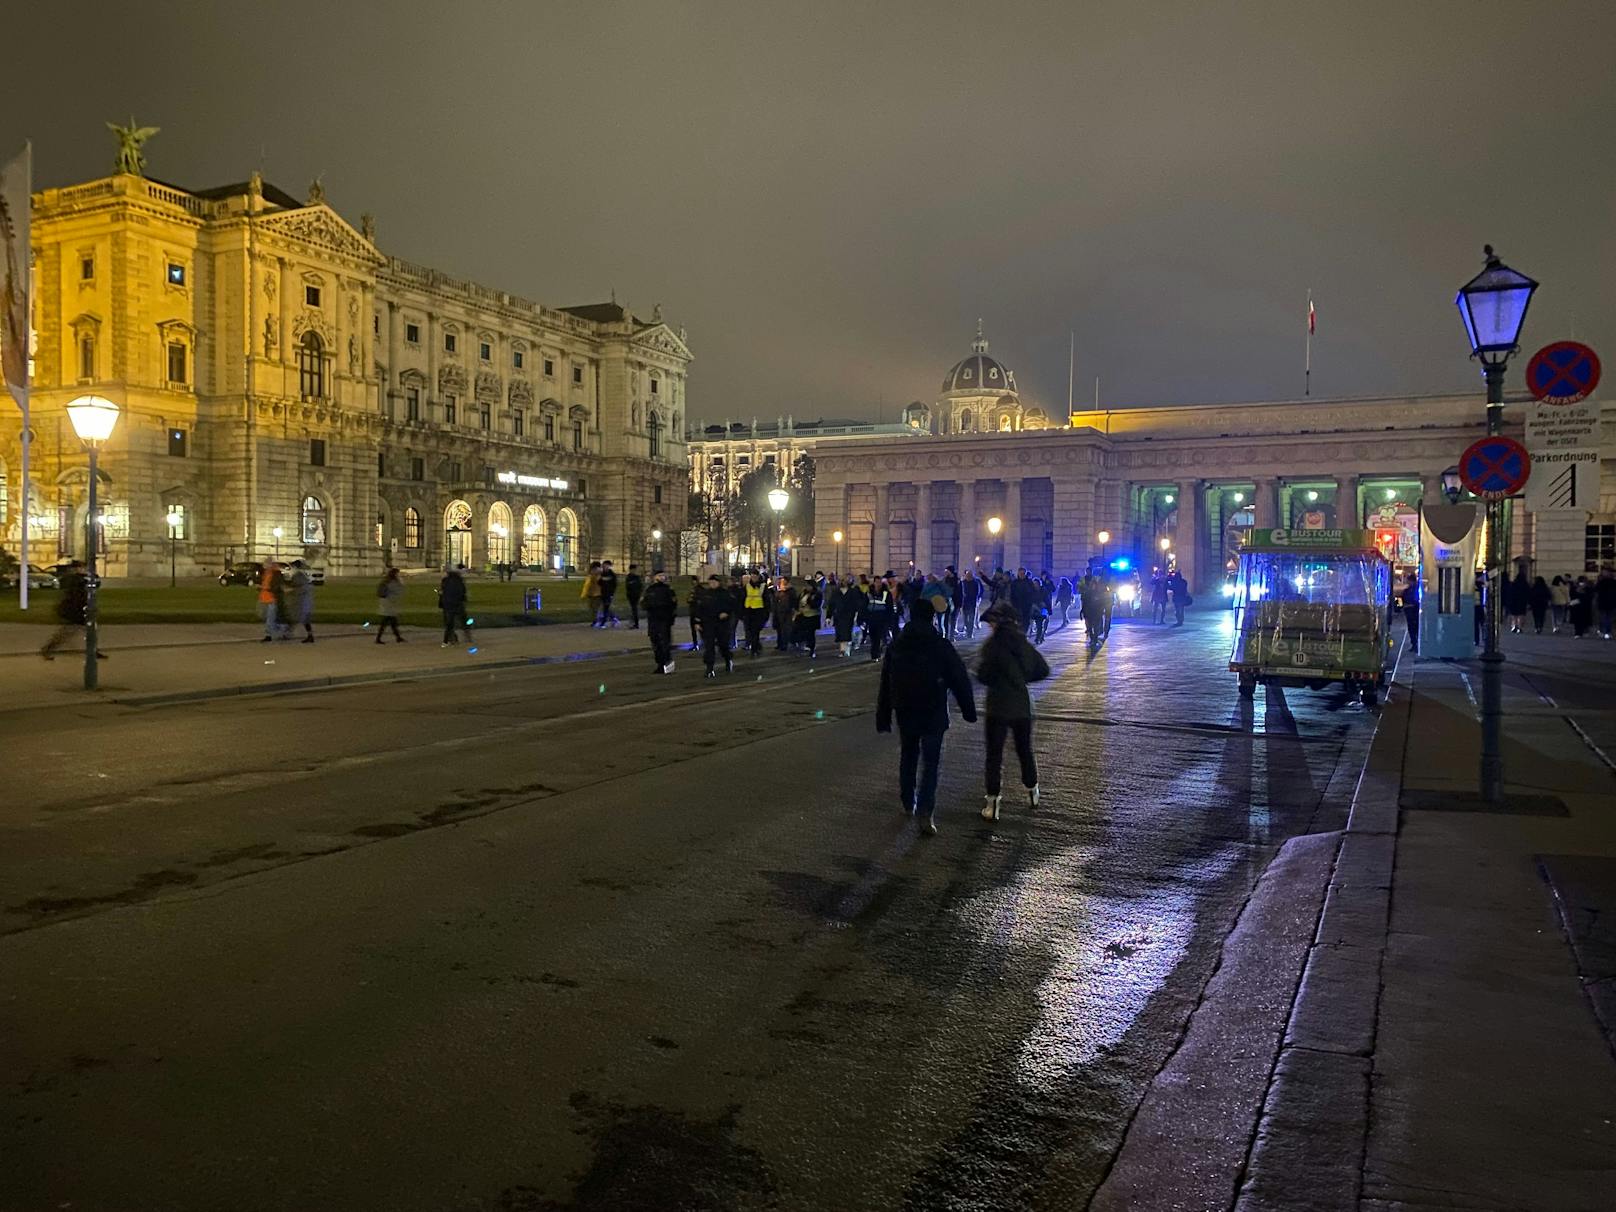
(1104, 538)
(277, 533)
(836, 537)
(93, 418)
(1452, 485)
(656, 550)
(1493, 306)
(1166, 545)
(779, 498)
(175, 517)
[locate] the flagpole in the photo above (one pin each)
(23, 240)
(1307, 374)
(1071, 369)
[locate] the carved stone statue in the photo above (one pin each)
(367, 226)
(656, 313)
(271, 284)
(316, 192)
(130, 140)
(270, 341)
(353, 353)
(255, 184)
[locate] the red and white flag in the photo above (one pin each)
(1312, 320)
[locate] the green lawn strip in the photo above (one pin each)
(492, 603)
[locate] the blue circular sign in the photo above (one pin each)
(1494, 468)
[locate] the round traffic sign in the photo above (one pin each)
(1563, 373)
(1494, 468)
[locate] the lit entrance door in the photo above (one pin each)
(459, 545)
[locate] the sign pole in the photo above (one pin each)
(1492, 656)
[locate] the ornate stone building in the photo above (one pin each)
(287, 386)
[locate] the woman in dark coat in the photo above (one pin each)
(1007, 664)
(1517, 599)
(846, 608)
(1538, 598)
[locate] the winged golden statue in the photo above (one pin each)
(130, 139)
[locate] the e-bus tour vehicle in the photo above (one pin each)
(1311, 609)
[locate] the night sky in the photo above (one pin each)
(828, 196)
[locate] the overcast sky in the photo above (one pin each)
(828, 196)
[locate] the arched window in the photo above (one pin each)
(533, 528)
(499, 533)
(653, 423)
(457, 533)
(314, 526)
(566, 538)
(412, 527)
(311, 367)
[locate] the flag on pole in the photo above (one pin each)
(1307, 358)
(16, 343)
(1312, 318)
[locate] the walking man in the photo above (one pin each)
(452, 602)
(389, 600)
(301, 583)
(71, 610)
(633, 586)
(661, 608)
(608, 591)
(921, 671)
(716, 607)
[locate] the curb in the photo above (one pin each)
(1309, 1148)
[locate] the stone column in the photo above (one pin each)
(1012, 525)
(288, 357)
(1187, 539)
(879, 541)
(1265, 508)
(1348, 514)
(923, 526)
(1073, 523)
(432, 407)
(395, 350)
(968, 524)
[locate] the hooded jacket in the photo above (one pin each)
(1007, 664)
(921, 669)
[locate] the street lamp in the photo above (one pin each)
(1452, 485)
(175, 517)
(93, 418)
(779, 498)
(1493, 306)
(1166, 544)
(836, 537)
(1104, 538)
(277, 532)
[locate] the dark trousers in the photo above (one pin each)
(661, 631)
(1411, 619)
(61, 636)
(634, 611)
(715, 643)
(950, 617)
(454, 618)
(925, 750)
(755, 618)
(970, 618)
(383, 623)
(782, 631)
(606, 613)
(995, 734)
(878, 635)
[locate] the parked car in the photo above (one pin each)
(251, 574)
(38, 578)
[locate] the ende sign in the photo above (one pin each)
(511, 477)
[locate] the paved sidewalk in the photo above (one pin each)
(156, 663)
(1451, 1044)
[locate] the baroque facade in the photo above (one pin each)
(288, 388)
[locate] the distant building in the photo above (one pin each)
(288, 387)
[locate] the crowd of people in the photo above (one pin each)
(1575, 602)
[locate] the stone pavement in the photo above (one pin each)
(152, 663)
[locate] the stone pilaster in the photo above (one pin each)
(1187, 540)
(923, 552)
(881, 535)
(1012, 524)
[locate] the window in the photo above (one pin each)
(450, 342)
(311, 296)
(412, 403)
(450, 408)
(577, 374)
(549, 368)
(485, 416)
(87, 267)
(177, 440)
(412, 333)
(381, 528)
(314, 521)
(176, 274)
(86, 357)
(653, 424)
(518, 423)
(412, 526)
(174, 517)
(485, 351)
(417, 469)
(381, 464)
(317, 452)
(656, 385)
(656, 494)
(311, 366)
(549, 429)
(376, 324)
(454, 473)
(488, 474)
(1598, 546)
(176, 362)
(516, 358)
(768, 460)
(577, 435)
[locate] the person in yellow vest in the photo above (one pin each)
(755, 611)
(591, 592)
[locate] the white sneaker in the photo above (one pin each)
(1032, 795)
(668, 668)
(990, 808)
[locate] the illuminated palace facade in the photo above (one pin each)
(286, 387)
(1178, 483)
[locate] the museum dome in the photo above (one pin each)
(979, 374)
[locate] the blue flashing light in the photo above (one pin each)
(1121, 564)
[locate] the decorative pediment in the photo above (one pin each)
(550, 405)
(310, 320)
(451, 378)
(488, 385)
(578, 413)
(412, 378)
(324, 228)
(664, 340)
(521, 392)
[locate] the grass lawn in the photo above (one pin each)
(348, 600)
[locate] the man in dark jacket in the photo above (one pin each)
(608, 591)
(633, 587)
(71, 609)
(661, 608)
(784, 609)
(921, 671)
(1024, 592)
(717, 607)
(452, 602)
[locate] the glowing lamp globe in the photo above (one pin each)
(779, 498)
(93, 418)
(1493, 307)
(995, 525)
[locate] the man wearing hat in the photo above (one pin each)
(920, 672)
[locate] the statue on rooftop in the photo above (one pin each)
(130, 140)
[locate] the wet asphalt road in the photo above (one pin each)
(582, 937)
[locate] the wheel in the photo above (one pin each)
(1370, 694)
(224, 580)
(1248, 685)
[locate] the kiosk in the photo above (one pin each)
(1448, 536)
